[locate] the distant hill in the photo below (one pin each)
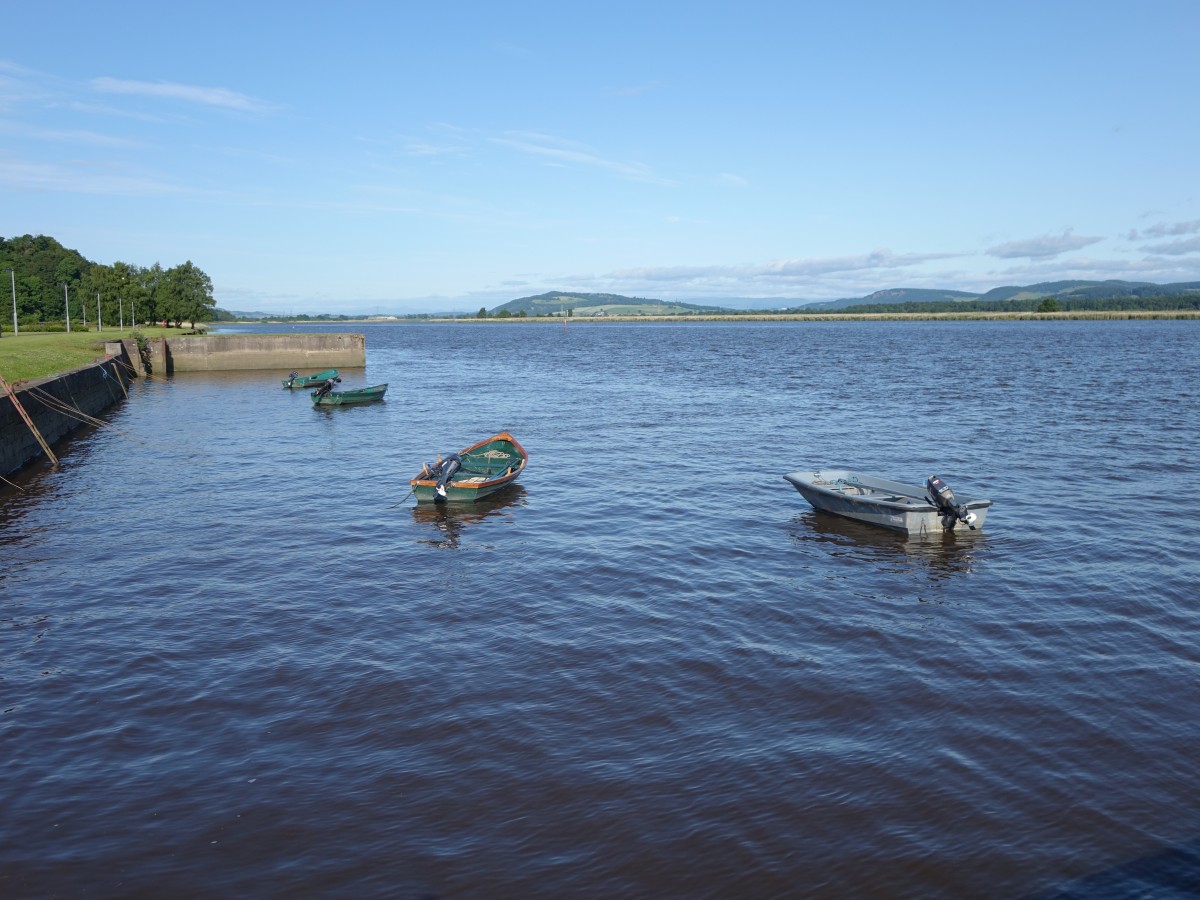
(1063, 291)
(554, 303)
(1092, 290)
(896, 295)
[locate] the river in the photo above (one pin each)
(236, 660)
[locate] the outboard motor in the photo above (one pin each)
(448, 466)
(324, 389)
(943, 498)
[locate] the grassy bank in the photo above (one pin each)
(35, 354)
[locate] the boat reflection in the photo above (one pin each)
(451, 520)
(944, 555)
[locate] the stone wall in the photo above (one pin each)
(286, 352)
(49, 401)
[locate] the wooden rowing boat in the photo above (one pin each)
(482, 469)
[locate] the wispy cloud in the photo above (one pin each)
(1164, 230)
(635, 90)
(222, 98)
(24, 176)
(1043, 247)
(63, 136)
(423, 148)
(876, 259)
(1175, 248)
(569, 153)
(515, 51)
(790, 272)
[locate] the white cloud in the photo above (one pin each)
(1175, 248)
(206, 96)
(63, 136)
(81, 179)
(573, 154)
(1164, 230)
(1043, 247)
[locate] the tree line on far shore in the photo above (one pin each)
(1027, 304)
(51, 282)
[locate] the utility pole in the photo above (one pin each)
(67, 306)
(99, 321)
(13, 276)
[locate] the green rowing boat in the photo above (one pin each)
(473, 473)
(327, 396)
(302, 381)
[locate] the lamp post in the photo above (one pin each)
(121, 312)
(99, 321)
(67, 306)
(13, 277)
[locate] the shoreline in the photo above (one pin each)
(1115, 315)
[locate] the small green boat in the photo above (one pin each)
(295, 380)
(327, 396)
(473, 473)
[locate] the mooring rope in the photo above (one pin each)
(55, 404)
(17, 486)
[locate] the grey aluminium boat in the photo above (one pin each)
(907, 508)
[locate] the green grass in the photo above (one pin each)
(35, 354)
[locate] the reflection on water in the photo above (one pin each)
(449, 521)
(944, 555)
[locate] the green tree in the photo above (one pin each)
(482, 314)
(1049, 305)
(184, 294)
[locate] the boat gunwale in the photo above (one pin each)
(356, 395)
(918, 503)
(476, 486)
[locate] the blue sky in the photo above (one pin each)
(402, 157)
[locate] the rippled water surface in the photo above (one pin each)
(235, 659)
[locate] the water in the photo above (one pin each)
(231, 664)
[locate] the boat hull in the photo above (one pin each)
(303, 381)
(488, 466)
(347, 398)
(905, 508)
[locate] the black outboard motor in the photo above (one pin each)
(323, 390)
(943, 498)
(448, 466)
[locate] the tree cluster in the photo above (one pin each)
(49, 279)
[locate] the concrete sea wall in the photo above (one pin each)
(286, 352)
(54, 406)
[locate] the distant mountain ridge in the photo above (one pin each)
(554, 303)
(588, 304)
(1059, 290)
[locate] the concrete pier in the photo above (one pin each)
(231, 352)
